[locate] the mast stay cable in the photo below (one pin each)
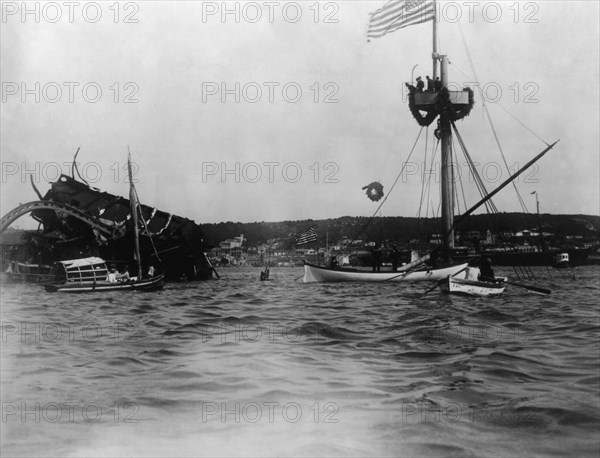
(489, 118)
(392, 187)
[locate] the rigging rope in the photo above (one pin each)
(392, 187)
(139, 210)
(399, 175)
(429, 182)
(493, 212)
(489, 118)
(478, 181)
(501, 107)
(522, 124)
(453, 178)
(491, 209)
(460, 181)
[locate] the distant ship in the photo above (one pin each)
(514, 256)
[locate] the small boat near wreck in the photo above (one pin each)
(149, 284)
(92, 274)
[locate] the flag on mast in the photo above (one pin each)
(397, 14)
(309, 235)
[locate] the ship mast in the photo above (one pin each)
(447, 182)
(447, 170)
(447, 107)
(134, 214)
(434, 54)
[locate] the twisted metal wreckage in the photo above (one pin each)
(78, 220)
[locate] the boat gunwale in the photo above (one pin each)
(480, 284)
(386, 272)
(152, 282)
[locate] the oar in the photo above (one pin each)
(408, 267)
(444, 279)
(211, 266)
(215, 271)
(532, 288)
(537, 289)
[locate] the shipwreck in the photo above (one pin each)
(77, 220)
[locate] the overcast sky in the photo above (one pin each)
(291, 155)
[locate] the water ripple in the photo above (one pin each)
(319, 369)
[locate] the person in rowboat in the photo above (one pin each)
(112, 275)
(486, 271)
(472, 271)
(124, 276)
(376, 255)
(333, 263)
(394, 255)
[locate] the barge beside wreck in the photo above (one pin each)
(78, 220)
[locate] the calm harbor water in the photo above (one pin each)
(238, 367)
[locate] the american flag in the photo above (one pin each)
(397, 14)
(309, 235)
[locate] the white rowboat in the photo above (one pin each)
(454, 285)
(313, 273)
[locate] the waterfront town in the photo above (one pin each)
(577, 235)
(281, 252)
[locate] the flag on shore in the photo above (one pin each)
(309, 235)
(397, 14)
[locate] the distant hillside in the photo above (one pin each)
(400, 229)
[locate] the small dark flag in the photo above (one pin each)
(309, 235)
